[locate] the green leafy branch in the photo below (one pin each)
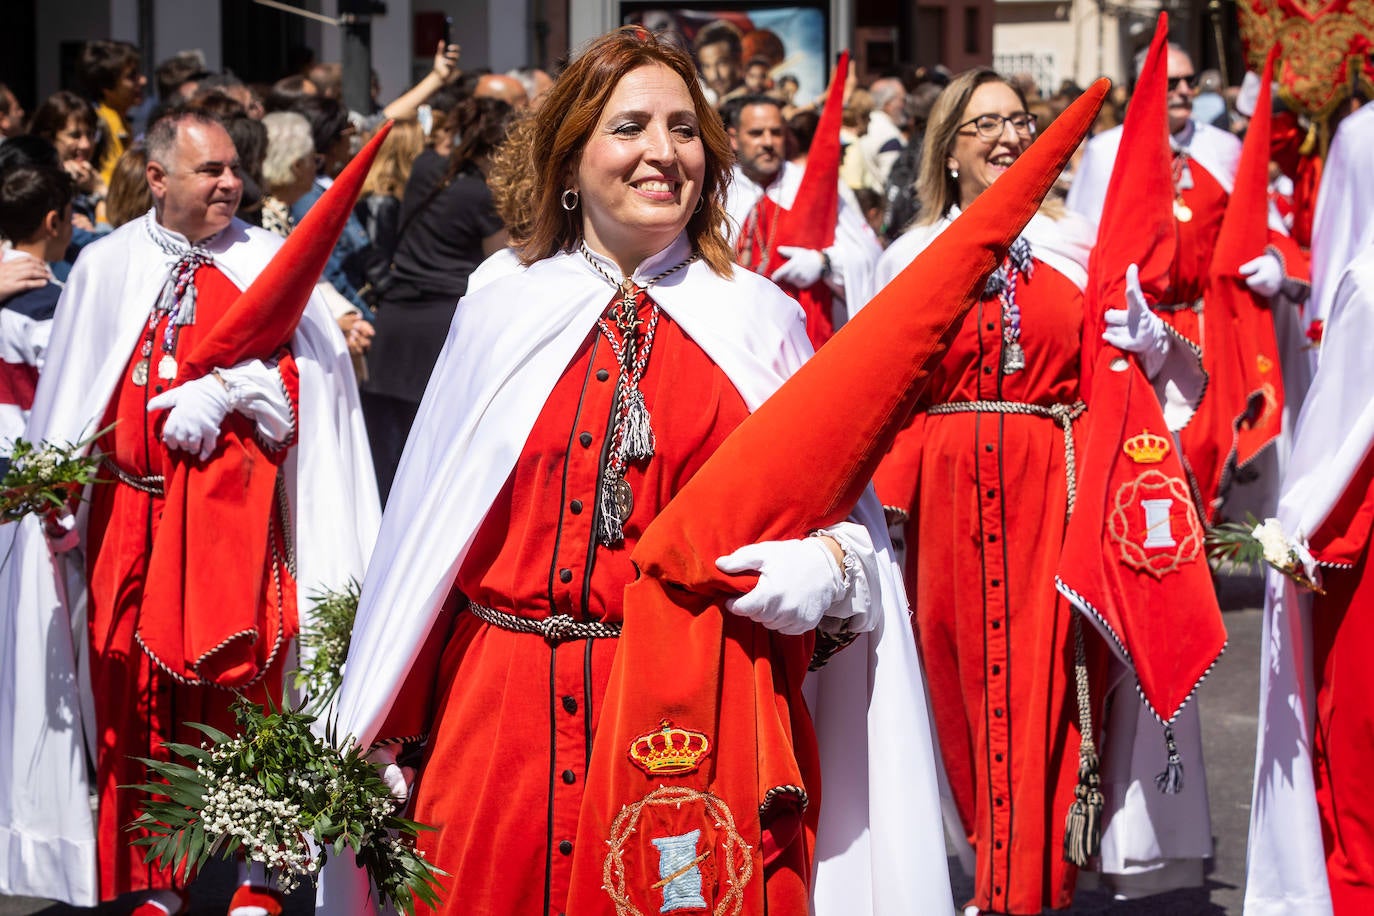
(324, 644)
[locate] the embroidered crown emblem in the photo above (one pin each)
(1146, 448)
(670, 750)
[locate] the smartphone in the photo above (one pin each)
(448, 30)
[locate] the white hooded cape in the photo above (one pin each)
(880, 848)
(1286, 871)
(47, 833)
(1344, 222)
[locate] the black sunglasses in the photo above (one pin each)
(1192, 79)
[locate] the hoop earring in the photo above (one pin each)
(567, 205)
(701, 202)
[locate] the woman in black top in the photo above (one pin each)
(448, 226)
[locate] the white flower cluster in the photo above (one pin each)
(1277, 551)
(42, 463)
(269, 829)
(1289, 557)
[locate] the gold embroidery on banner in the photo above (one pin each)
(734, 857)
(1154, 524)
(1146, 448)
(669, 751)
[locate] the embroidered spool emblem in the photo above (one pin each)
(679, 871)
(669, 751)
(1154, 524)
(707, 868)
(1146, 448)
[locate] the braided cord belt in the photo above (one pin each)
(1089, 781)
(152, 485)
(1063, 414)
(556, 629)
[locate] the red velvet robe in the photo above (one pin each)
(986, 494)
(1343, 745)
(138, 705)
(1197, 239)
(510, 719)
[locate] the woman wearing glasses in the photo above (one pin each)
(978, 484)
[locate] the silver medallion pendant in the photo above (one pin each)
(1013, 358)
(624, 500)
(167, 368)
(140, 374)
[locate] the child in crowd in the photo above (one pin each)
(36, 219)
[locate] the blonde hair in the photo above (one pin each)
(937, 190)
(395, 159)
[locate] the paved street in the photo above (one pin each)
(1228, 719)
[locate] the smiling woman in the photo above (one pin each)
(575, 396)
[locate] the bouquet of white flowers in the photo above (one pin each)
(42, 478)
(1251, 541)
(286, 798)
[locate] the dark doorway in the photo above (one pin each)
(18, 51)
(260, 44)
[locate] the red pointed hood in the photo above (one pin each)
(848, 402)
(810, 223)
(1137, 224)
(262, 320)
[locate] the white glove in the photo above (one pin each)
(255, 390)
(798, 582)
(1264, 275)
(397, 778)
(198, 407)
(802, 269)
(1136, 329)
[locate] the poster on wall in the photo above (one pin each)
(742, 48)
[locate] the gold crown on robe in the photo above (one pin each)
(670, 750)
(1146, 448)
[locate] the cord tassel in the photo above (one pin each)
(1170, 782)
(639, 434)
(611, 530)
(1083, 826)
(187, 313)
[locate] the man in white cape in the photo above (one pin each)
(48, 735)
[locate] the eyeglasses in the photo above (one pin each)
(1192, 79)
(990, 126)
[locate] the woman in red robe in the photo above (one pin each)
(979, 482)
(588, 388)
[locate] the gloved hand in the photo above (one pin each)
(198, 407)
(255, 391)
(798, 582)
(1136, 329)
(1264, 275)
(398, 779)
(802, 269)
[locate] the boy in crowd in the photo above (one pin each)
(36, 218)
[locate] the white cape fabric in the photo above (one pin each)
(1335, 435)
(856, 248)
(1150, 842)
(1344, 222)
(47, 833)
(1216, 150)
(880, 848)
